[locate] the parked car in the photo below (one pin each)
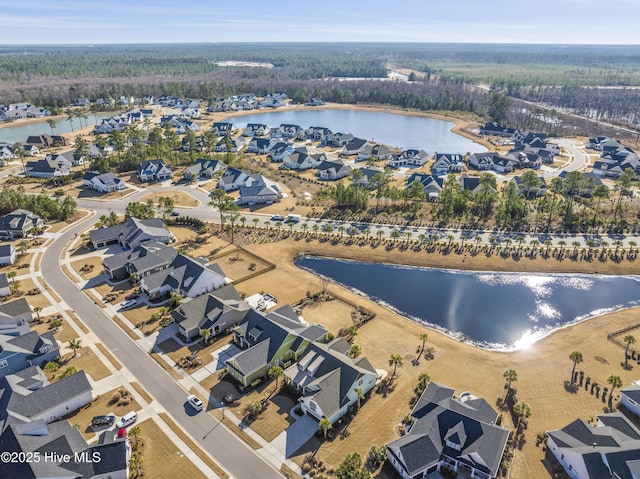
(127, 420)
(175, 213)
(127, 303)
(132, 296)
(277, 218)
(102, 421)
(195, 402)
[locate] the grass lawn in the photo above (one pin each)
(27, 285)
(333, 314)
(180, 198)
(100, 406)
(21, 266)
(183, 233)
(176, 351)
(87, 361)
(120, 289)
(110, 357)
(78, 322)
(275, 418)
(88, 267)
(161, 458)
(58, 225)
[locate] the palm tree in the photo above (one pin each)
(135, 432)
(37, 310)
(521, 410)
(520, 240)
(74, 345)
(575, 245)
(510, 375)
(355, 351)
(135, 463)
(590, 244)
(396, 362)
(255, 222)
(276, 372)
(615, 382)
(576, 357)
(352, 332)
(601, 192)
(629, 339)
(12, 276)
(423, 338)
(534, 245)
(547, 243)
(423, 380)
(205, 334)
(52, 124)
(477, 239)
(358, 391)
(325, 426)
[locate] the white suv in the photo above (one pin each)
(195, 403)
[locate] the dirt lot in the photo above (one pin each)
(236, 264)
(179, 198)
(176, 351)
(334, 315)
(87, 361)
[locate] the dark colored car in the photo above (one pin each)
(103, 420)
(132, 296)
(175, 213)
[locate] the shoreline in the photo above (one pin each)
(532, 336)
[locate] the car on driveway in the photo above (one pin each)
(98, 421)
(127, 303)
(132, 296)
(195, 403)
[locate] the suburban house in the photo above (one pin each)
(203, 168)
(491, 161)
(525, 159)
(259, 190)
(259, 145)
(329, 379)
(523, 189)
(267, 340)
(432, 185)
(255, 129)
(630, 398)
(6, 153)
(149, 257)
(318, 133)
(131, 233)
(215, 311)
(333, 169)
(610, 449)
(188, 276)
(233, 179)
(70, 156)
(223, 127)
(59, 439)
(15, 317)
(30, 150)
(458, 434)
(377, 152)
(48, 168)
(494, 128)
(30, 349)
(19, 223)
(368, 173)
(336, 139)
(355, 147)
(5, 290)
(46, 141)
(447, 163)
(103, 183)
(316, 102)
(290, 131)
(280, 151)
(471, 184)
(304, 158)
(31, 397)
(153, 170)
(7, 254)
(408, 158)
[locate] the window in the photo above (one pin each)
(562, 457)
(45, 349)
(3, 363)
(66, 408)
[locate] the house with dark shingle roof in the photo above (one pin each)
(15, 317)
(408, 158)
(48, 168)
(459, 434)
(279, 151)
(7, 254)
(609, 450)
(303, 158)
(31, 397)
(447, 163)
(203, 167)
(30, 349)
(431, 184)
(491, 161)
(190, 277)
(328, 379)
(104, 183)
(232, 179)
(5, 290)
(259, 145)
(143, 260)
(57, 440)
(215, 311)
(132, 233)
(223, 127)
(18, 223)
(630, 398)
(153, 170)
(255, 129)
(259, 189)
(333, 169)
(267, 340)
(355, 147)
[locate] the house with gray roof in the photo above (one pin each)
(18, 223)
(153, 170)
(431, 184)
(279, 151)
(377, 152)
(608, 450)
(409, 158)
(328, 379)
(30, 349)
(267, 340)
(303, 158)
(255, 129)
(31, 397)
(491, 161)
(355, 146)
(190, 277)
(459, 434)
(223, 127)
(232, 179)
(48, 168)
(5, 290)
(215, 311)
(143, 260)
(447, 163)
(204, 168)
(630, 398)
(103, 183)
(259, 189)
(57, 440)
(132, 233)
(333, 169)
(232, 144)
(7, 255)
(259, 145)
(15, 317)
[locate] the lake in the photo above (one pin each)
(395, 130)
(504, 311)
(21, 131)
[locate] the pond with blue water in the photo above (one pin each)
(492, 310)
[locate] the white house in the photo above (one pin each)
(7, 254)
(304, 159)
(630, 398)
(259, 190)
(153, 170)
(104, 183)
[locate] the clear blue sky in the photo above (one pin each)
(163, 21)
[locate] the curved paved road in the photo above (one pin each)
(238, 458)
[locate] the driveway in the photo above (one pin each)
(296, 435)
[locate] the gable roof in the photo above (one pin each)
(19, 220)
(146, 257)
(14, 309)
(202, 311)
(131, 229)
(28, 344)
(182, 273)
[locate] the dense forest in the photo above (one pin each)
(591, 81)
